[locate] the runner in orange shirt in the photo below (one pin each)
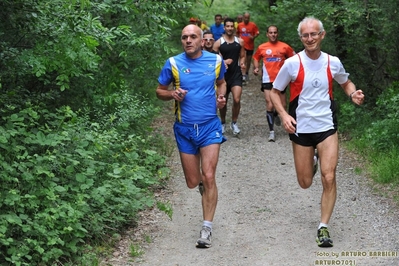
(247, 31)
(274, 53)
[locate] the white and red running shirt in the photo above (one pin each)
(311, 91)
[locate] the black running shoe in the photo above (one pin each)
(323, 238)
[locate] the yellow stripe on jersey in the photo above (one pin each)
(219, 62)
(175, 72)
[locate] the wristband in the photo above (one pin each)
(350, 95)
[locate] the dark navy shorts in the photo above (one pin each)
(311, 139)
(191, 137)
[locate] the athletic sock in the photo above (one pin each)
(270, 120)
(322, 225)
(208, 224)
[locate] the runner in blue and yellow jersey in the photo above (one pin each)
(199, 90)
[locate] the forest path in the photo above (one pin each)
(263, 217)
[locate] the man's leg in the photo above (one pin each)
(269, 114)
(248, 59)
(328, 165)
(304, 162)
(209, 156)
(202, 168)
(191, 169)
(223, 112)
(209, 160)
(303, 159)
(236, 107)
(328, 154)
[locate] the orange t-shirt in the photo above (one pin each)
(274, 55)
(246, 30)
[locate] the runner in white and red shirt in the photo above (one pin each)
(311, 121)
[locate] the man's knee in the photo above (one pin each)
(329, 180)
(191, 184)
(305, 182)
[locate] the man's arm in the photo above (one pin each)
(288, 121)
(256, 66)
(221, 92)
(256, 32)
(355, 95)
(216, 46)
(257, 56)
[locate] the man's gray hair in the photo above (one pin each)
(309, 19)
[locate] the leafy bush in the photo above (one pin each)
(385, 167)
(67, 182)
(383, 134)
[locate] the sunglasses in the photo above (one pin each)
(210, 39)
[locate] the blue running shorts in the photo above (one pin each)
(191, 137)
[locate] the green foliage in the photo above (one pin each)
(67, 181)
(78, 156)
(385, 167)
(166, 207)
(135, 250)
(207, 10)
(383, 133)
(375, 135)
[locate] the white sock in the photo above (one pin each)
(323, 225)
(314, 160)
(207, 224)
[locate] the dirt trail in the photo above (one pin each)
(263, 217)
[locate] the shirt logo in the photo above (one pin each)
(269, 51)
(185, 70)
(316, 83)
(273, 59)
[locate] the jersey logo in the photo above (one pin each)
(269, 51)
(273, 59)
(316, 83)
(185, 70)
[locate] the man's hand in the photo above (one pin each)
(357, 97)
(220, 101)
(179, 94)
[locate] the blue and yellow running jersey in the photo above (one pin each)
(198, 76)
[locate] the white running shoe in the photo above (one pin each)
(271, 136)
(235, 128)
(205, 238)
